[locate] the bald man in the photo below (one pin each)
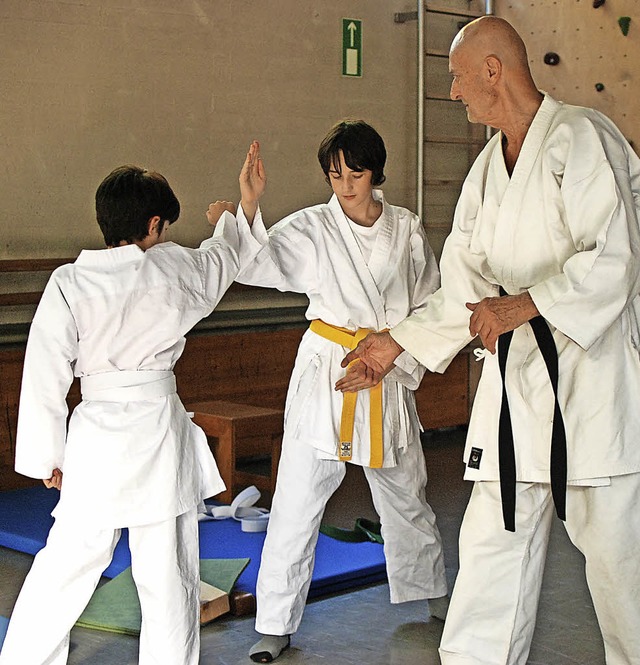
(543, 265)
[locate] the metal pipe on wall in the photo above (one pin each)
(420, 119)
(488, 9)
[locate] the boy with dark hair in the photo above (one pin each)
(130, 455)
(364, 265)
(128, 198)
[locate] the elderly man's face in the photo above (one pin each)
(469, 86)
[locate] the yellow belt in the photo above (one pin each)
(350, 339)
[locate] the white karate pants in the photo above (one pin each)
(492, 613)
(165, 566)
(413, 548)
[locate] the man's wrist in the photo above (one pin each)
(528, 306)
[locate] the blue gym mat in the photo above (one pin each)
(3, 629)
(25, 520)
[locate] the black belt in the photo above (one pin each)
(506, 452)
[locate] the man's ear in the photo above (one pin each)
(492, 69)
(155, 226)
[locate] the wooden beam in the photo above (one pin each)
(25, 298)
(32, 265)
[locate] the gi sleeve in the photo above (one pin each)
(435, 332)
(284, 259)
(221, 257)
(52, 350)
(426, 280)
(601, 212)
(236, 234)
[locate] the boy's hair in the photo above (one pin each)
(362, 147)
(128, 198)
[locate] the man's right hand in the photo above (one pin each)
(377, 351)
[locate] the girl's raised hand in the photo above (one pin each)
(253, 181)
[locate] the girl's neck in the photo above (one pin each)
(367, 214)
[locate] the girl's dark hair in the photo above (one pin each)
(362, 147)
(128, 198)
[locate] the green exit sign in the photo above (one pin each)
(351, 47)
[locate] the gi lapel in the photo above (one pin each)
(380, 263)
(511, 202)
(366, 278)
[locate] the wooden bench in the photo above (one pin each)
(238, 432)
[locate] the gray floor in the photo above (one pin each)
(361, 626)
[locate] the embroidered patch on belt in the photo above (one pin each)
(345, 449)
(474, 458)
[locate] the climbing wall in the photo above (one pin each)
(597, 65)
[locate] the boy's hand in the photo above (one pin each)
(253, 181)
(358, 377)
(378, 351)
(216, 209)
(54, 481)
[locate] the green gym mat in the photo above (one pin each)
(115, 607)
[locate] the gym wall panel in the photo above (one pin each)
(592, 50)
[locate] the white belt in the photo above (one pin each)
(128, 386)
(251, 518)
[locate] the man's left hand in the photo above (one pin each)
(494, 316)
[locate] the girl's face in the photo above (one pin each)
(353, 188)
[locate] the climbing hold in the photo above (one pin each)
(624, 22)
(551, 58)
(598, 3)
(599, 87)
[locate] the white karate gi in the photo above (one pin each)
(315, 251)
(564, 226)
(131, 457)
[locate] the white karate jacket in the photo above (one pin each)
(564, 226)
(114, 315)
(314, 251)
